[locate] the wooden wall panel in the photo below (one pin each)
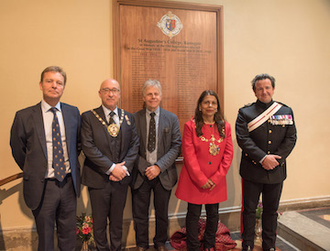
(186, 64)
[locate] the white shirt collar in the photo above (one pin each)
(157, 111)
(107, 111)
(45, 106)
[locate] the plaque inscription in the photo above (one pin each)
(185, 63)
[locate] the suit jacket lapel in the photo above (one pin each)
(161, 124)
(121, 134)
(100, 112)
(66, 120)
(39, 123)
(143, 128)
(123, 128)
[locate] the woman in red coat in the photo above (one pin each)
(207, 151)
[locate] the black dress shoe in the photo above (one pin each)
(162, 248)
(248, 248)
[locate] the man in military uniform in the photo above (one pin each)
(266, 133)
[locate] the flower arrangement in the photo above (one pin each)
(259, 210)
(85, 228)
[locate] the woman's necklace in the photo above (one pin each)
(213, 148)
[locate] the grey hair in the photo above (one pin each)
(151, 82)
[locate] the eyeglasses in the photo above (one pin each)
(107, 90)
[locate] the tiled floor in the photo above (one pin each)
(312, 225)
(319, 215)
(308, 229)
(281, 244)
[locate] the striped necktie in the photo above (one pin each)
(111, 120)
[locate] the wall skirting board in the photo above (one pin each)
(21, 238)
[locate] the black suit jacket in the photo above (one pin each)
(168, 148)
(28, 144)
(266, 139)
(96, 146)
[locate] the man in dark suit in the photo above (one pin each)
(155, 170)
(51, 172)
(266, 132)
(110, 143)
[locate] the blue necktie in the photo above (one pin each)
(58, 157)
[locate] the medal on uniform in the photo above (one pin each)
(282, 120)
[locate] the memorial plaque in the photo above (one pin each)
(179, 47)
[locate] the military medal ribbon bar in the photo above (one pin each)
(263, 117)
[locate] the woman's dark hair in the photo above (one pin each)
(218, 117)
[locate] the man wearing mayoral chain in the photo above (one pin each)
(110, 143)
(266, 133)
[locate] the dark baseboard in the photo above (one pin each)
(27, 239)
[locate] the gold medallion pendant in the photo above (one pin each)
(214, 149)
(113, 130)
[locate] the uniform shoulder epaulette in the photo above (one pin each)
(247, 105)
(282, 104)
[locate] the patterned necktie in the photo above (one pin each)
(58, 157)
(112, 121)
(152, 133)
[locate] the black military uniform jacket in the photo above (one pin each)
(269, 138)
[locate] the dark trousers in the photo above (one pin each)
(108, 203)
(271, 194)
(140, 206)
(193, 214)
(58, 205)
